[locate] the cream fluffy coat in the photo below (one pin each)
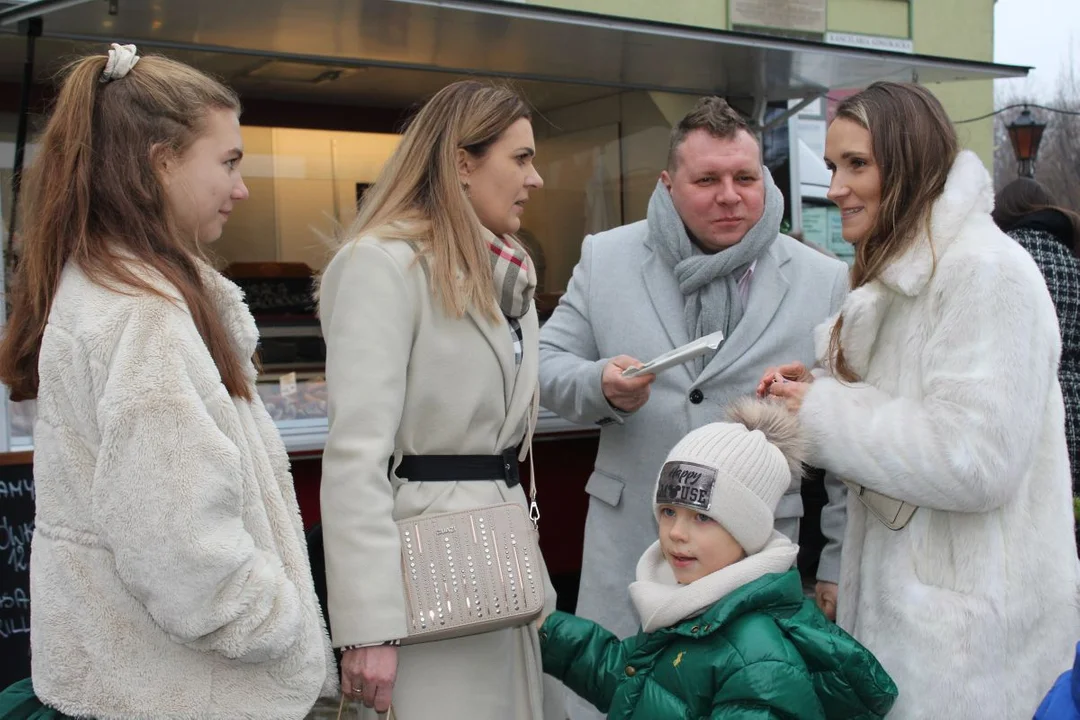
(169, 576)
(973, 607)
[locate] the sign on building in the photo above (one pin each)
(803, 16)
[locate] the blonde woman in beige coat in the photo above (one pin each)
(431, 336)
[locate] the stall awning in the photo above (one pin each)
(499, 38)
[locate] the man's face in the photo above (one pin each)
(717, 187)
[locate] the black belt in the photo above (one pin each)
(436, 468)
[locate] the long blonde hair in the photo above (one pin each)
(914, 145)
(418, 196)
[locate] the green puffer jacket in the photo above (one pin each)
(762, 652)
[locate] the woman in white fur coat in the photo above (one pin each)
(169, 575)
(939, 397)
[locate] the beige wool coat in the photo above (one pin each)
(406, 378)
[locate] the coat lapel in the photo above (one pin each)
(864, 310)
(228, 299)
(497, 334)
(667, 299)
(520, 400)
(768, 286)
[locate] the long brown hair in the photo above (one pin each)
(418, 195)
(93, 198)
(1024, 196)
(914, 145)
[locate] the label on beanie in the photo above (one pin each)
(684, 483)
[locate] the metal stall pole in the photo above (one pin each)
(32, 29)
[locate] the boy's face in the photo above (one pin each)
(694, 544)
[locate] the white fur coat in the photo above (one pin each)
(973, 607)
(169, 575)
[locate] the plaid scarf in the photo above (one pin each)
(514, 275)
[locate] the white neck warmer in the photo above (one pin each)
(662, 602)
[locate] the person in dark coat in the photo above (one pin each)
(1026, 211)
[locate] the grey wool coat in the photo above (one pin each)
(624, 299)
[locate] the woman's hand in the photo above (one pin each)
(791, 372)
(791, 392)
(368, 674)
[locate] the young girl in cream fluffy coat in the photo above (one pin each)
(169, 575)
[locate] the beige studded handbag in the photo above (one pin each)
(472, 571)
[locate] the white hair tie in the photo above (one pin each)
(121, 59)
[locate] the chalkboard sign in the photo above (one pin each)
(16, 529)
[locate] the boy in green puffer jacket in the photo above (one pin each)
(727, 633)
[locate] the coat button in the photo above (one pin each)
(630, 671)
(694, 629)
(696, 396)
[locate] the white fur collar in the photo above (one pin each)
(864, 309)
(228, 298)
(968, 191)
(661, 602)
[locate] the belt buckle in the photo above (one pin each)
(510, 467)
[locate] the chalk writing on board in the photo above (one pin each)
(15, 543)
(18, 625)
(17, 500)
(23, 487)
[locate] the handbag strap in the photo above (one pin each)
(534, 509)
(527, 446)
(341, 708)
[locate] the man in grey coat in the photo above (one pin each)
(708, 257)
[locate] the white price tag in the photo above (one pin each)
(287, 384)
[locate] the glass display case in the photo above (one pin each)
(292, 353)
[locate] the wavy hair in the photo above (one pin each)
(914, 145)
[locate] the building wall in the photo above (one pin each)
(934, 27)
(870, 17)
(697, 13)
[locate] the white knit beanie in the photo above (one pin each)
(736, 472)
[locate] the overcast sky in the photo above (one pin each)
(1040, 34)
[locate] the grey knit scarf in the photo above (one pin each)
(710, 282)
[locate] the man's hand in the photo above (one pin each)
(825, 596)
(368, 674)
(626, 394)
